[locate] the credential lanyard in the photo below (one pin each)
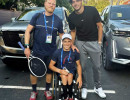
(46, 23)
(62, 56)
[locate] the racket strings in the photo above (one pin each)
(37, 66)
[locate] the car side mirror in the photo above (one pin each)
(13, 19)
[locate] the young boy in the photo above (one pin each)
(66, 61)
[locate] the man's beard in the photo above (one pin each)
(49, 11)
(78, 9)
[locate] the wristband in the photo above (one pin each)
(26, 46)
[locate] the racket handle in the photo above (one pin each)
(20, 44)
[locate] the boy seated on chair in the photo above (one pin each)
(66, 61)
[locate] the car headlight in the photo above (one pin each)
(114, 48)
(116, 32)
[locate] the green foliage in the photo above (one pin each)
(3, 2)
(59, 3)
(40, 3)
(99, 4)
(64, 3)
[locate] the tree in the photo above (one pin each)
(39, 3)
(6, 3)
(64, 3)
(99, 4)
(3, 2)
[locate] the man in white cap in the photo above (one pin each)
(66, 61)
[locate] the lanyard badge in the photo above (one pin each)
(49, 36)
(62, 61)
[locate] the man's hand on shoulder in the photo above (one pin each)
(74, 48)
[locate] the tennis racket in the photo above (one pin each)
(36, 65)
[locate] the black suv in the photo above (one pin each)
(12, 32)
(116, 39)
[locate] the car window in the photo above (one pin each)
(120, 13)
(27, 14)
(59, 12)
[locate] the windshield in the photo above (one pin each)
(27, 14)
(120, 13)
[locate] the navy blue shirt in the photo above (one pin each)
(71, 66)
(39, 44)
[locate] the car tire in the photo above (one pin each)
(106, 62)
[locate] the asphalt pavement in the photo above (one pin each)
(15, 83)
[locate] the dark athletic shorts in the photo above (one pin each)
(46, 60)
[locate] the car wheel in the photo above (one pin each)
(107, 64)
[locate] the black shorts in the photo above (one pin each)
(46, 60)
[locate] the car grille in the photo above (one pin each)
(11, 38)
(122, 33)
(123, 56)
(128, 33)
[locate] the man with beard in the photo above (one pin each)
(86, 27)
(46, 25)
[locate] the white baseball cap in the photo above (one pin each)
(66, 36)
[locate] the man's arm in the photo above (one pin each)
(55, 69)
(79, 71)
(60, 35)
(100, 32)
(27, 39)
(73, 34)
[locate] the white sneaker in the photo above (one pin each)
(100, 92)
(84, 93)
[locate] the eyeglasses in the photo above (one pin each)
(53, 4)
(75, 1)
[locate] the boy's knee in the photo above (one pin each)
(70, 75)
(63, 76)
